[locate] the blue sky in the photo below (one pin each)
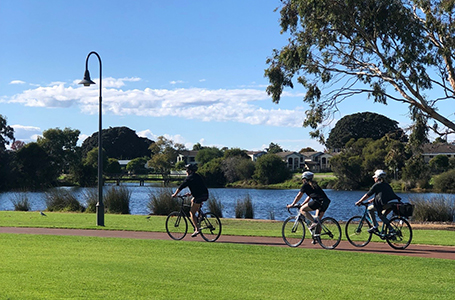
(192, 71)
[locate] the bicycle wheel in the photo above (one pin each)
(293, 231)
(357, 231)
(210, 227)
(401, 236)
(176, 225)
(329, 233)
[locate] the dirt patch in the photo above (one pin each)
(433, 225)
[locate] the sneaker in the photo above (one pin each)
(195, 233)
(373, 229)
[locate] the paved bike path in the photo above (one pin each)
(428, 251)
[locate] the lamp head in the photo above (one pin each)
(86, 81)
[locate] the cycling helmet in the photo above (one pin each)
(191, 167)
(307, 175)
(379, 174)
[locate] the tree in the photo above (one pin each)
(388, 50)
(274, 148)
(207, 154)
(164, 155)
(61, 145)
(119, 143)
(113, 167)
(34, 167)
(213, 173)
(439, 163)
(362, 125)
(271, 169)
(6, 133)
(137, 166)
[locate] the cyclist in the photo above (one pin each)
(383, 194)
(316, 199)
(198, 190)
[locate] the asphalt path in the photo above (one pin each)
(428, 251)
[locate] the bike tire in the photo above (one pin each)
(293, 231)
(356, 231)
(328, 233)
(402, 235)
(176, 225)
(210, 227)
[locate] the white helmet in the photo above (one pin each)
(379, 174)
(307, 175)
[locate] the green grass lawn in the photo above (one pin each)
(73, 267)
(157, 223)
(68, 267)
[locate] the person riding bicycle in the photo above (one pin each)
(383, 194)
(316, 199)
(198, 190)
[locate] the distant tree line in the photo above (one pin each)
(362, 143)
(55, 159)
(368, 141)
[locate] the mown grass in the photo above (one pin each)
(243, 227)
(68, 267)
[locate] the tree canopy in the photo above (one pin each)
(362, 125)
(6, 133)
(119, 143)
(389, 50)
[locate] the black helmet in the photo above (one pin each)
(191, 167)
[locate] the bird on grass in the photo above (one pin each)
(43, 214)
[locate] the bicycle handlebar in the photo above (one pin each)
(294, 206)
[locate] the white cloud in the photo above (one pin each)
(17, 82)
(173, 82)
(245, 105)
(25, 133)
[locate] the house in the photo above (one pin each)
(317, 161)
(429, 151)
(188, 156)
(294, 161)
(254, 155)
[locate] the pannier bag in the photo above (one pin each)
(403, 209)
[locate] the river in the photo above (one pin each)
(267, 204)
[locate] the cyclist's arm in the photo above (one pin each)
(296, 199)
(363, 198)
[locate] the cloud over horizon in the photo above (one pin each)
(243, 105)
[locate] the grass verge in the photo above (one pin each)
(67, 267)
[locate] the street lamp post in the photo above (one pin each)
(87, 82)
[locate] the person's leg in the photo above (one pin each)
(371, 210)
(305, 210)
(194, 209)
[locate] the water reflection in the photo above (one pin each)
(266, 203)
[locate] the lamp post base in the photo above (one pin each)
(100, 214)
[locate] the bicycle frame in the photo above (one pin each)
(327, 233)
(208, 224)
(396, 230)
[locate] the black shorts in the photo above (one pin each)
(200, 199)
(321, 204)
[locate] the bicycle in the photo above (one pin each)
(177, 223)
(398, 235)
(327, 233)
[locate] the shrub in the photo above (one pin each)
(117, 200)
(244, 208)
(215, 206)
(162, 203)
(445, 181)
(436, 209)
(62, 200)
(21, 202)
(91, 199)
